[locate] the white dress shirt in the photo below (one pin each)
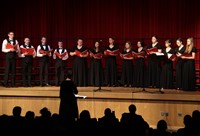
(60, 52)
(39, 48)
(8, 50)
(22, 55)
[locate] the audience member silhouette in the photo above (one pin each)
(134, 122)
(30, 121)
(17, 111)
(85, 121)
(109, 120)
(130, 124)
(68, 109)
(109, 123)
(16, 121)
(161, 129)
(196, 122)
(43, 123)
(45, 113)
(30, 115)
(187, 130)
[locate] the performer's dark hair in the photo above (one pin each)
(168, 40)
(155, 37)
(69, 74)
(141, 42)
(10, 32)
(179, 39)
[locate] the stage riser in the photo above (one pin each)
(150, 110)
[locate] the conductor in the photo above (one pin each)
(68, 109)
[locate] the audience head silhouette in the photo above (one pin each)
(45, 112)
(187, 120)
(85, 115)
(107, 112)
(132, 108)
(17, 111)
(162, 125)
(30, 115)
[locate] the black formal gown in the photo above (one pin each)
(179, 68)
(189, 78)
(68, 109)
(79, 68)
(127, 71)
(166, 78)
(154, 68)
(111, 68)
(139, 71)
(96, 71)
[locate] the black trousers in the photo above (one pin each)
(26, 72)
(10, 68)
(43, 72)
(59, 73)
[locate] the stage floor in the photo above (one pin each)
(153, 94)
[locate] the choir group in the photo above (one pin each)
(154, 65)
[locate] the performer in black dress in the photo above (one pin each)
(167, 67)
(179, 63)
(154, 63)
(111, 52)
(189, 78)
(96, 68)
(139, 67)
(127, 65)
(79, 65)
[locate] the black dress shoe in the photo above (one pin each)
(12, 86)
(6, 85)
(29, 85)
(24, 85)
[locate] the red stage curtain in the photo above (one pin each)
(124, 20)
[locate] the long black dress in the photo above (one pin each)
(139, 71)
(79, 68)
(166, 78)
(95, 71)
(154, 67)
(127, 71)
(111, 68)
(189, 79)
(68, 109)
(179, 68)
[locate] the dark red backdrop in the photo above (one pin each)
(99, 19)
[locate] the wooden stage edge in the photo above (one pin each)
(172, 105)
(120, 93)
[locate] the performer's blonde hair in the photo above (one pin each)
(189, 46)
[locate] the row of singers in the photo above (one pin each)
(153, 74)
(27, 53)
(158, 72)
